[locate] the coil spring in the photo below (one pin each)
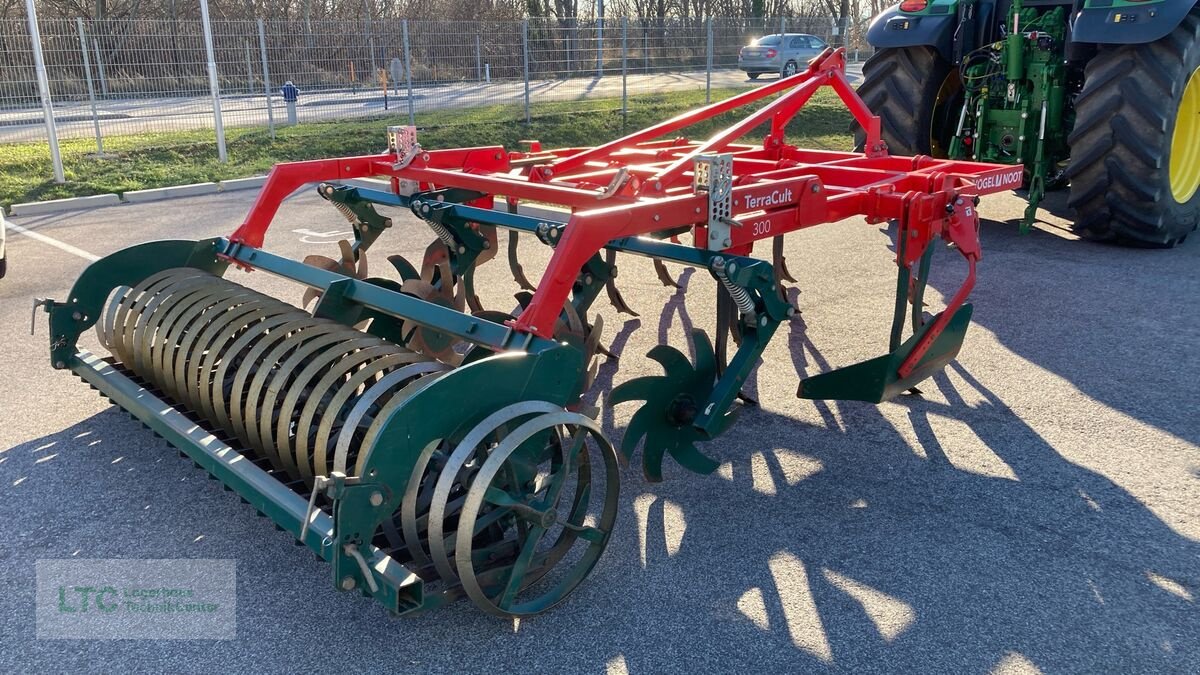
(443, 234)
(346, 211)
(309, 395)
(741, 297)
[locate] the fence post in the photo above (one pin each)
(215, 88)
(782, 26)
(371, 42)
(525, 50)
(569, 41)
(100, 67)
(249, 68)
(266, 74)
(624, 68)
(645, 50)
(708, 57)
(600, 38)
(478, 60)
(87, 73)
(412, 115)
(35, 38)
(370, 37)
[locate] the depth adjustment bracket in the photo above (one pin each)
(713, 175)
(358, 211)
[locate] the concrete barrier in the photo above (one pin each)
(252, 183)
(55, 205)
(140, 196)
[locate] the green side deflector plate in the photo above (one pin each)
(878, 379)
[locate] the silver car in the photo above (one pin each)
(784, 54)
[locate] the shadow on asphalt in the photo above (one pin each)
(1130, 354)
(910, 561)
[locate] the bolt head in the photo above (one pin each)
(731, 268)
(77, 316)
(348, 583)
(376, 499)
(726, 243)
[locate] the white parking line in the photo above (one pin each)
(62, 246)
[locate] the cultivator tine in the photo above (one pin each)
(467, 276)
(728, 325)
(610, 286)
(780, 265)
(780, 262)
(664, 276)
(917, 292)
(468, 284)
(514, 261)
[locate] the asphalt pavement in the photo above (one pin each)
(1035, 509)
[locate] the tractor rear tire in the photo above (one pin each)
(902, 86)
(1122, 143)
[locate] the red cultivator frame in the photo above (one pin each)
(726, 194)
(361, 423)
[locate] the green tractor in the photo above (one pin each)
(1103, 95)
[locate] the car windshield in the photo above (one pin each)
(768, 41)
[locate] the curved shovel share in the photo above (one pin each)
(878, 379)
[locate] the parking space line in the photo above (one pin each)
(62, 246)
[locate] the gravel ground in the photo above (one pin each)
(1036, 509)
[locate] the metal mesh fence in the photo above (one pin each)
(110, 79)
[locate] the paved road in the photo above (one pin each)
(1036, 509)
(134, 116)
